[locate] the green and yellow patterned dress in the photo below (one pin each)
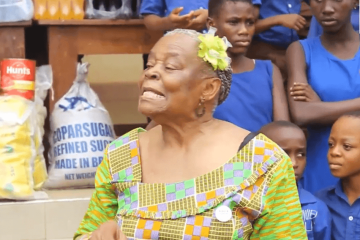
(257, 186)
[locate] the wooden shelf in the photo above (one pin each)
(91, 22)
(16, 24)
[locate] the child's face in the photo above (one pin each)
(236, 21)
(344, 147)
(293, 142)
(332, 15)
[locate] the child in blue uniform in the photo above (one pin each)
(257, 96)
(316, 29)
(324, 83)
(343, 199)
(165, 15)
(291, 139)
(279, 21)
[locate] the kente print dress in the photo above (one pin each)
(252, 196)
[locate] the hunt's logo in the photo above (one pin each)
(18, 70)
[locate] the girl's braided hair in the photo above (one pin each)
(224, 75)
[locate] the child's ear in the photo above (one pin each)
(210, 23)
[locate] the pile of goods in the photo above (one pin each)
(59, 9)
(81, 129)
(80, 9)
(24, 10)
(112, 9)
(22, 116)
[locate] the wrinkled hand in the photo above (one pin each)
(199, 19)
(292, 21)
(177, 21)
(109, 231)
(303, 92)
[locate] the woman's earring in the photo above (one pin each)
(200, 110)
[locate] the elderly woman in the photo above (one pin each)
(191, 177)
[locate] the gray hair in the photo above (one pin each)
(224, 75)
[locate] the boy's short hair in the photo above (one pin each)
(215, 5)
(278, 124)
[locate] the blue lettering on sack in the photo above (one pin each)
(69, 176)
(84, 162)
(96, 161)
(66, 164)
(80, 176)
(87, 132)
(92, 129)
(74, 101)
(98, 145)
(73, 163)
(85, 175)
(70, 148)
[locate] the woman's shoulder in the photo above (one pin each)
(245, 137)
(264, 146)
(267, 143)
(123, 156)
(126, 138)
(230, 128)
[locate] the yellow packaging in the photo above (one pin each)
(40, 171)
(16, 147)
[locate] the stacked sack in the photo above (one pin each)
(22, 164)
(80, 130)
(43, 83)
(16, 10)
(17, 147)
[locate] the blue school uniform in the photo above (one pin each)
(278, 35)
(163, 8)
(316, 29)
(316, 216)
(250, 102)
(333, 80)
(345, 218)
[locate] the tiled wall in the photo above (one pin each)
(114, 78)
(55, 219)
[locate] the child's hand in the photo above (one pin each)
(177, 21)
(303, 92)
(292, 21)
(199, 19)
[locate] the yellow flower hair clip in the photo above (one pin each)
(212, 49)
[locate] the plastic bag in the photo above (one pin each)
(16, 10)
(112, 12)
(17, 150)
(80, 130)
(43, 83)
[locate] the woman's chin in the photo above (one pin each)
(148, 110)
